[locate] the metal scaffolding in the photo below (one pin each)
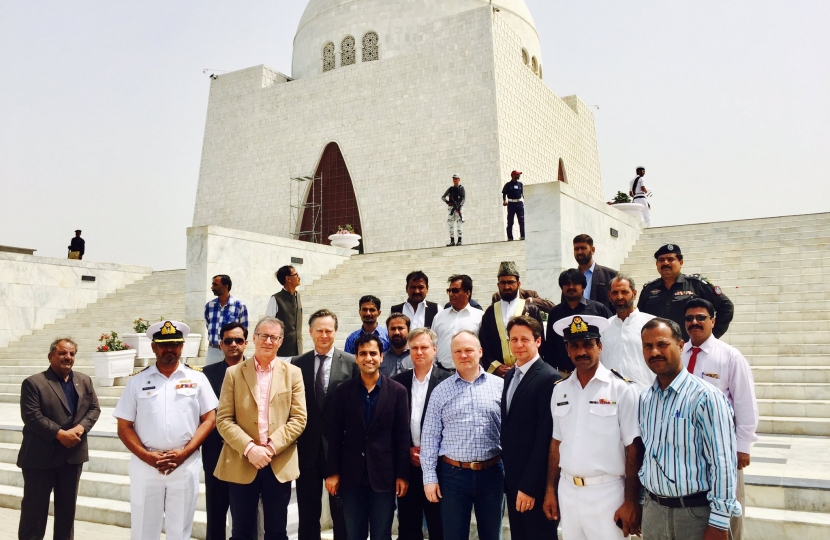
(306, 195)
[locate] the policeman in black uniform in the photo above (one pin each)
(666, 297)
(511, 195)
(455, 197)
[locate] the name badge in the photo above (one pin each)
(148, 388)
(561, 403)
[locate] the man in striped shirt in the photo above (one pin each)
(690, 465)
(461, 447)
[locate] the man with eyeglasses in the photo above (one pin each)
(287, 307)
(666, 297)
(497, 357)
(596, 449)
(725, 368)
(217, 493)
(460, 315)
(262, 412)
(690, 466)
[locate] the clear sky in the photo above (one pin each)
(102, 108)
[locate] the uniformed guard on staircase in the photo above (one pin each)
(511, 195)
(455, 197)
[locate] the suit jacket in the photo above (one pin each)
(601, 284)
(313, 438)
(405, 379)
(380, 449)
(531, 296)
(237, 421)
(45, 411)
(526, 430)
(431, 311)
(488, 334)
(212, 446)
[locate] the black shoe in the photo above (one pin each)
(459, 241)
(452, 243)
(522, 238)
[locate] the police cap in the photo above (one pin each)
(668, 248)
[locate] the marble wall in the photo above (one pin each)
(36, 291)
(554, 214)
(251, 260)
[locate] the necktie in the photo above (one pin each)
(517, 378)
(693, 359)
(320, 382)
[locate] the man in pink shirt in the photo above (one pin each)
(261, 413)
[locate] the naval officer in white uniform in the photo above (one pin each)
(596, 450)
(164, 415)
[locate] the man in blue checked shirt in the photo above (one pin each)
(460, 448)
(690, 469)
(222, 310)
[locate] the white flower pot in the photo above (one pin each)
(191, 345)
(140, 343)
(111, 365)
(632, 209)
(347, 241)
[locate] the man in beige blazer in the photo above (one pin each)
(262, 411)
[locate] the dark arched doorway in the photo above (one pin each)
(332, 190)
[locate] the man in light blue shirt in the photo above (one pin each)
(460, 446)
(369, 313)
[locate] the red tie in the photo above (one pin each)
(693, 359)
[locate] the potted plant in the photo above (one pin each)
(139, 340)
(113, 359)
(345, 237)
(623, 202)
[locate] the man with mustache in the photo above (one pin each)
(690, 469)
(597, 276)
(622, 348)
(396, 359)
(573, 283)
(596, 450)
(725, 368)
(369, 312)
(419, 310)
(666, 297)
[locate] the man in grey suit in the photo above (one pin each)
(323, 369)
(59, 407)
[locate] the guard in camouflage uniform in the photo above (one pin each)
(666, 297)
(455, 197)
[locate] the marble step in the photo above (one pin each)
(805, 408)
(796, 391)
(783, 360)
(794, 425)
(801, 495)
(809, 349)
(774, 257)
(763, 523)
(791, 374)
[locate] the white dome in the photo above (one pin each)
(396, 22)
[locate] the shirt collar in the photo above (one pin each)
(602, 374)
(465, 308)
(706, 346)
(525, 367)
(261, 369)
(481, 374)
(678, 381)
(426, 379)
(591, 270)
(329, 354)
(154, 370)
(60, 379)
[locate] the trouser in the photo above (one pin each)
(368, 513)
(414, 507)
(587, 512)
(217, 503)
(465, 490)
(156, 499)
(642, 201)
(736, 523)
(531, 524)
(454, 222)
(663, 523)
(214, 356)
(310, 505)
(245, 502)
(515, 209)
(34, 509)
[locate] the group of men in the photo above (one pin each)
(638, 422)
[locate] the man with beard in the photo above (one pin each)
(164, 415)
(572, 282)
(497, 358)
(369, 312)
(622, 348)
(597, 277)
(666, 297)
(396, 359)
(596, 451)
(417, 308)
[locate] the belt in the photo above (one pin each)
(472, 465)
(590, 480)
(640, 197)
(514, 200)
(693, 500)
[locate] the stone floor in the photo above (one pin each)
(88, 531)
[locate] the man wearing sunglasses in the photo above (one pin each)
(725, 368)
(233, 340)
(459, 315)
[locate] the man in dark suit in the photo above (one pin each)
(323, 369)
(59, 407)
(233, 338)
(368, 453)
(598, 277)
(419, 383)
(416, 307)
(526, 427)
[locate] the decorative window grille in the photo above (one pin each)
(370, 47)
(525, 57)
(347, 51)
(328, 57)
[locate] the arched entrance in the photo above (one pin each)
(332, 190)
